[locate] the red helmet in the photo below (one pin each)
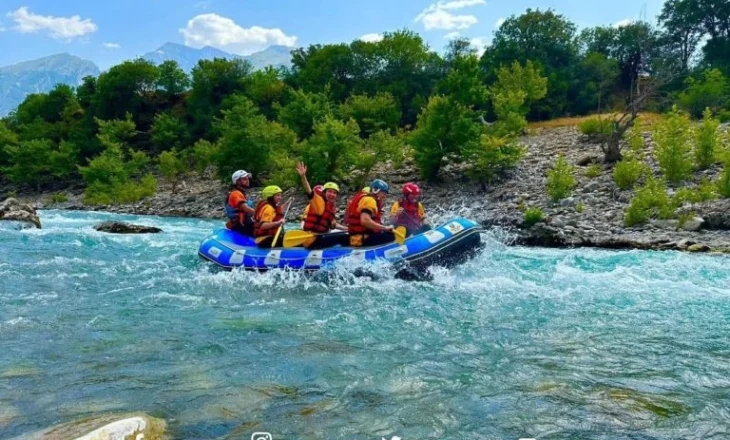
(411, 189)
(318, 189)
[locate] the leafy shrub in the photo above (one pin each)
(627, 172)
(303, 110)
(707, 141)
(36, 162)
(381, 146)
(532, 216)
(561, 181)
(491, 156)
(380, 112)
(203, 155)
(723, 182)
(710, 91)
(444, 128)
(168, 132)
(593, 171)
(579, 208)
(248, 140)
(173, 167)
(332, 151)
(650, 201)
(673, 137)
(723, 116)
(596, 127)
(98, 193)
(59, 197)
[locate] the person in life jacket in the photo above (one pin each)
(268, 217)
(317, 189)
(409, 212)
(364, 214)
(320, 216)
(239, 209)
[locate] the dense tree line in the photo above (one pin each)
(343, 108)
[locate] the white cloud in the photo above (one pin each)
(480, 44)
(371, 38)
(624, 22)
(452, 35)
(499, 23)
(111, 45)
(223, 33)
(58, 27)
(437, 15)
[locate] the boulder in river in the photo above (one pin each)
(126, 228)
(12, 209)
(108, 427)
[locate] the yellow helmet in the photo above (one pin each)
(270, 191)
(366, 190)
(331, 185)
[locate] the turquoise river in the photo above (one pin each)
(518, 343)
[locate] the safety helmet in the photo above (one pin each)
(378, 185)
(240, 174)
(270, 191)
(331, 185)
(366, 190)
(317, 189)
(411, 189)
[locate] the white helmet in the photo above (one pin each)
(239, 174)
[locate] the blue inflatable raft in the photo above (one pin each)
(446, 245)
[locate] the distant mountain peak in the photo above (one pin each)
(39, 76)
(187, 57)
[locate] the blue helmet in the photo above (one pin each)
(379, 185)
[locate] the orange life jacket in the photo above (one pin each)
(354, 225)
(320, 222)
(410, 217)
(257, 231)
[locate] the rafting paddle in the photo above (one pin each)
(296, 237)
(400, 234)
(281, 228)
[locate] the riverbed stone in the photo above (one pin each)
(126, 228)
(14, 210)
(665, 224)
(135, 426)
(698, 247)
(693, 224)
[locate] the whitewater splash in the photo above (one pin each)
(517, 342)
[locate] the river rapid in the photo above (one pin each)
(519, 342)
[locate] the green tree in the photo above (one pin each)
(381, 112)
(463, 81)
(598, 76)
(125, 88)
(303, 110)
(249, 141)
(7, 138)
(30, 162)
(265, 88)
(169, 131)
(173, 80)
(516, 88)
(548, 40)
(213, 81)
(707, 141)
(380, 147)
(319, 68)
(445, 128)
(173, 167)
(331, 153)
(711, 91)
(682, 28)
(673, 138)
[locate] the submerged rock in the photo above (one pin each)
(698, 248)
(12, 209)
(109, 427)
(126, 228)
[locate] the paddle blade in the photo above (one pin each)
(400, 234)
(296, 237)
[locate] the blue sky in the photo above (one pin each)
(109, 32)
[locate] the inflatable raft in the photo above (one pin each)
(446, 245)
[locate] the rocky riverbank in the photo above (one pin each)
(592, 216)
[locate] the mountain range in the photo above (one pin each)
(41, 75)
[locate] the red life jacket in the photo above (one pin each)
(320, 222)
(354, 225)
(257, 231)
(410, 217)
